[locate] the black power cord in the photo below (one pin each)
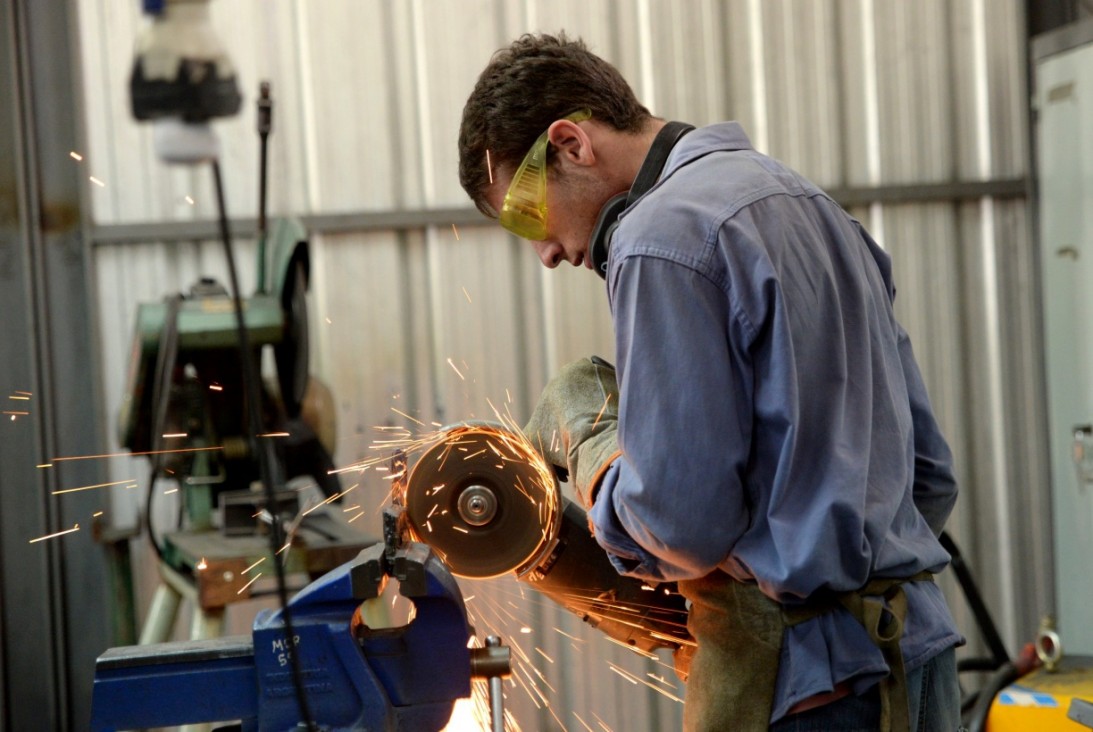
(269, 468)
(166, 354)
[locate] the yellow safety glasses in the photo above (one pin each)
(524, 209)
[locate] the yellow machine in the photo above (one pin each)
(1042, 700)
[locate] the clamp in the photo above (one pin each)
(356, 677)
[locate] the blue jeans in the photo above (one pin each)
(933, 693)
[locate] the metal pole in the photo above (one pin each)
(497, 700)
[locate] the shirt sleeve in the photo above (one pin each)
(673, 505)
(934, 488)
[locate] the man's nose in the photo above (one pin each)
(550, 254)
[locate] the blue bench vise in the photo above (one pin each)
(355, 677)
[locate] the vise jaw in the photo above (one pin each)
(355, 677)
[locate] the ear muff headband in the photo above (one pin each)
(599, 244)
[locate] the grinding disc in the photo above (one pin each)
(484, 500)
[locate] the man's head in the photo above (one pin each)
(528, 91)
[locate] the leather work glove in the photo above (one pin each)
(575, 423)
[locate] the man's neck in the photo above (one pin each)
(632, 151)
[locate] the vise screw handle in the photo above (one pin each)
(493, 662)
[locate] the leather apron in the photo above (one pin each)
(732, 671)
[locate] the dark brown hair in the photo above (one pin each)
(525, 87)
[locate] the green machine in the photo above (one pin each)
(185, 400)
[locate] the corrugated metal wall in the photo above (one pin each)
(368, 94)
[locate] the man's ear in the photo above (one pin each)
(571, 142)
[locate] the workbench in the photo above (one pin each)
(212, 570)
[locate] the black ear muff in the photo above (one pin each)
(599, 244)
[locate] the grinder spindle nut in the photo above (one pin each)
(477, 505)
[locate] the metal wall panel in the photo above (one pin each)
(54, 585)
(854, 93)
(344, 69)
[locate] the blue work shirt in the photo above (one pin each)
(773, 422)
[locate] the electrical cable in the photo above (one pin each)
(166, 354)
(262, 449)
(148, 515)
(265, 126)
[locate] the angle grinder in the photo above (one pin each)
(488, 504)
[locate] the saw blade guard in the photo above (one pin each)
(484, 500)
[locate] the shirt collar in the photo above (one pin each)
(723, 136)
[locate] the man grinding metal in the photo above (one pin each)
(767, 441)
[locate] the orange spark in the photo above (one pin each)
(455, 369)
(75, 527)
(331, 499)
(583, 722)
(244, 587)
(637, 680)
(661, 679)
(605, 401)
(571, 637)
(360, 467)
(89, 487)
(134, 454)
(407, 416)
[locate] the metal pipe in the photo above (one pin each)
(365, 221)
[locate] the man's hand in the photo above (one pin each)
(574, 425)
